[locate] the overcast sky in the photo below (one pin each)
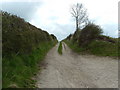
(54, 15)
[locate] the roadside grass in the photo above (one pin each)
(74, 46)
(60, 48)
(102, 48)
(19, 70)
(99, 48)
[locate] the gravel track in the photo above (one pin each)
(71, 70)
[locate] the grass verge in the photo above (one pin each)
(19, 70)
(60, 48)
(99, 48)
(102, 48)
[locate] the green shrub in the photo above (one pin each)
(23, 47)
(103, 48)
(69, 37)
(88, 34)
(96, 47)
(53, 37)
(19, 36)
(74, 46)
(76, 36)
(20, 69)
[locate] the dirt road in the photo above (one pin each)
(71, 70)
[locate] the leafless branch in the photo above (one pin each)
(80, 14)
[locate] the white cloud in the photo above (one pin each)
(54, 15)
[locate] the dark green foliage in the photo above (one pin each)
(60, 48)
(53, 37)
(76, 36)
(91, 41)
(20, 36)
(107, 39)
(74, 46)
(96, 47)
(19, 69)
(23, 47)
(103, 48)
(89, 33)
(69, 37)
(119, 47)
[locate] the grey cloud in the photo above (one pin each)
(27, 10)
(23, 9)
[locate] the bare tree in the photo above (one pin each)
(80, 15)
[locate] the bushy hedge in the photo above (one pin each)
(88, 34)
(19, 36)
(18, 70)
(76, 36)
(89, 40)
(23, 47)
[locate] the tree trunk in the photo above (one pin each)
(76, 23)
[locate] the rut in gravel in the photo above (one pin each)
(71, 70)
